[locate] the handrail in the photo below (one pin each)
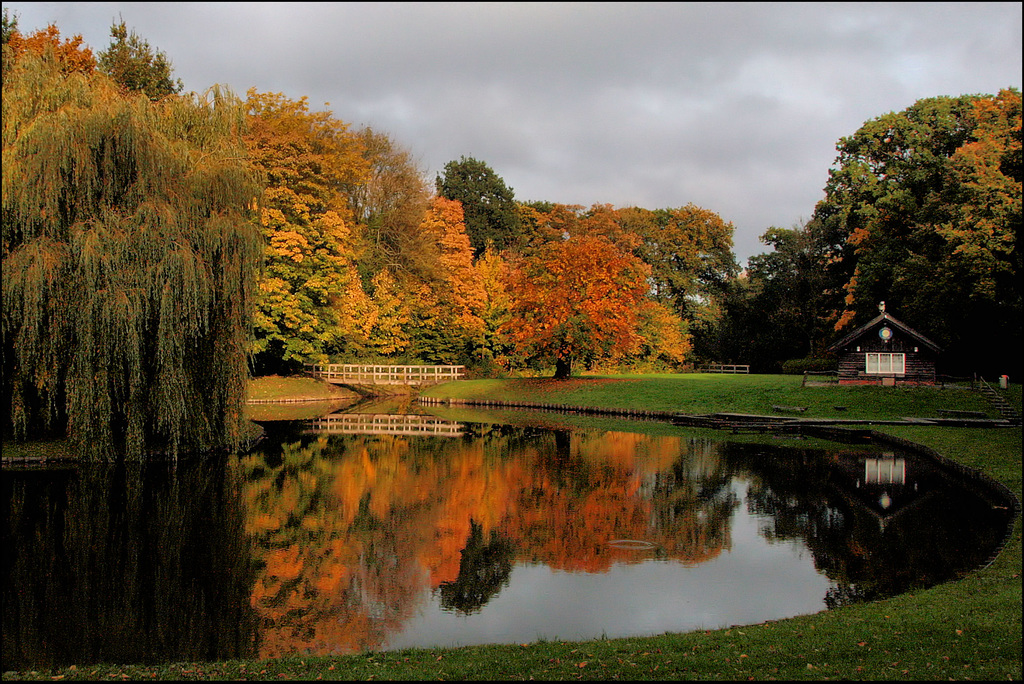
(380, 374)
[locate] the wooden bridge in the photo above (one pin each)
(385, 424)
(356, 374)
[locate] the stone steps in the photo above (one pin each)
(999, 403)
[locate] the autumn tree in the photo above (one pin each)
(922, 211)
(688, 249)
(550, 222)
(664, 337)
(310, 260)
(495, 350)
(390, 201)
(129, 260)
(489, 204)
(130, 61)
(665, 340)
(542, 224)
(881, 203)
(70, 55)
(447, 310)
(983, 232)
(577, 303)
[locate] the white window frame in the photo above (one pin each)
(880, 363)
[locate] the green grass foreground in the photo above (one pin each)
(965, 630)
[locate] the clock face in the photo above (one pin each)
(885, 334)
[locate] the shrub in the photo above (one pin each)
(798, 366)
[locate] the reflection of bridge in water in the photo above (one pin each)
(358, 374)
(385, 424)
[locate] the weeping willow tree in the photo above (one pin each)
(129, 263)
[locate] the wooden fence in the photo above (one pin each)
(724, 368)
(358, 374)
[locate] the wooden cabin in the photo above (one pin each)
(886, 351)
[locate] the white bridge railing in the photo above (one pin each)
(385, 424)
(359, 374)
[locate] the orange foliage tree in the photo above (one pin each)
(986, 199)
(447, 307)
(71, 54)
(577, 301)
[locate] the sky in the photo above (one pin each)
(734, 107)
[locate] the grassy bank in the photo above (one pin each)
(275, 397)
(968, 629)
(277, 388)
(701, 393)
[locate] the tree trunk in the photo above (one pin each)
(563, 368)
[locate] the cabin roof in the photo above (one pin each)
(897, 324)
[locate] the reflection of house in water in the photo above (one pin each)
(885, 486)
(385, 424)
(885, 470)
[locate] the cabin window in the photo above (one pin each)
(885, 363)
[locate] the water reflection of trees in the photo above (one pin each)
(484, 569)
(352, 530)
(692, 504)
(125, 563)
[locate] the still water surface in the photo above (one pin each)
(332, 540)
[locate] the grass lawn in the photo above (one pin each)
(702, 393)
(275, 397)
(968, 629)
(277, 387)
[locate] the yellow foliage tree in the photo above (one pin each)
(492, 271)
(310, 246)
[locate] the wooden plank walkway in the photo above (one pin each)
(385, 424)
(364, 374)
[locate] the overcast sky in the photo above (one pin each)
(734, 107)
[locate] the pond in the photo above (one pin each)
(384, 532)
